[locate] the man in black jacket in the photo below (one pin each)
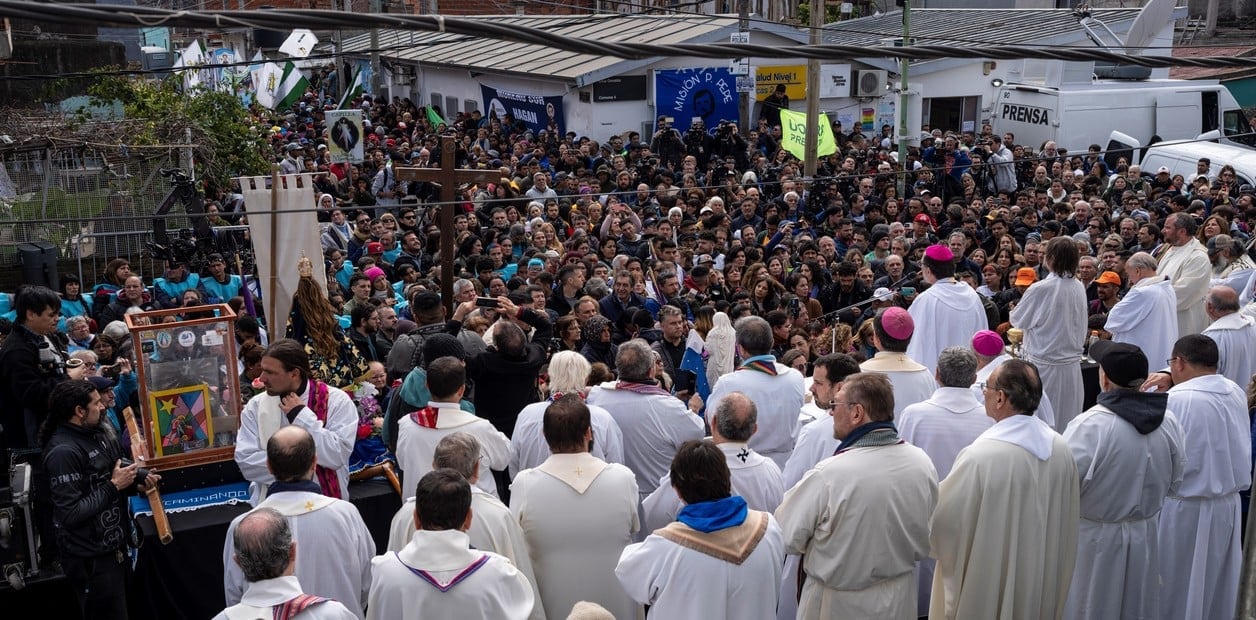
(845, 292)
(506, 374)
(89, 488)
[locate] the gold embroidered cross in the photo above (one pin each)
(579, 472)
(309, 506)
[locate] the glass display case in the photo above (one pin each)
(189, 383)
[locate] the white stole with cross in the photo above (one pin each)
(577, 471)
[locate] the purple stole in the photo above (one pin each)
(459, 578)
(289, 610)
(328, 482)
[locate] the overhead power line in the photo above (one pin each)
(510, 30)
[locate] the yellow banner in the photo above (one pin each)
(794, 134)
(794, 77)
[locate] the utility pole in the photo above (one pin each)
(743, 24)
(376, 73)
(902, 100)
(813, 93)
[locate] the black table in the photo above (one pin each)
(185, 578)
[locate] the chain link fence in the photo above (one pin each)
(86, 205)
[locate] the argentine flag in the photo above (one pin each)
(693, 362)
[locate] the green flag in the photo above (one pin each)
(291, 88)
(794, 134)
(434, 118)
(356, 87)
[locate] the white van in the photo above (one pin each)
(1180, 157)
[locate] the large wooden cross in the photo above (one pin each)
(448, 179)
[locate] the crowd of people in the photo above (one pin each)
(678, 374)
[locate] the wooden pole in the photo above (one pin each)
(272, 294)
(448, 193)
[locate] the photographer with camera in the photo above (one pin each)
(34, 361)
(729, 143)
(699, 143)
(667, 144)
(90, 481)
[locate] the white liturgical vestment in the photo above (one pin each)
(1235, 336)
(755, 478)
(946, 314)
(680, 583)
(528, 447)
(261, 597)
(1053, 314)
(653, 424)
(333, 439)
(438, 575)
(911, 380)
(328, 532)
(778, 400)
(416, 445)
(577, 514)
(1190, 272)
(1200, 556)
(1146, 318)
(1125, 476)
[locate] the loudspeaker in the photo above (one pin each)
(39, 264)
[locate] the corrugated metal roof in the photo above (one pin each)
(490, 55)
(1219, 73)
(969, 26)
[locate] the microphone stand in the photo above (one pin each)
(825, 318)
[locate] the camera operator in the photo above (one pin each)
(667, 144)
(729, 143)
(90, 481)
(34, 362)
(699, 143)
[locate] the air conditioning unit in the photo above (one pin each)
(869, 83)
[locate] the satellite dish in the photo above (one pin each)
(1150, 21)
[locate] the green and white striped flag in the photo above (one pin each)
(279, 88)
(355, 88)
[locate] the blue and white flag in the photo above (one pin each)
(693, 362)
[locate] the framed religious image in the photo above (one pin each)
(189, 383)
(181, 420)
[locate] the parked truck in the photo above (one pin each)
(1076, 116)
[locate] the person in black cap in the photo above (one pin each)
(1129, 454)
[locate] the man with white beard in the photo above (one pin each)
(1147, 316)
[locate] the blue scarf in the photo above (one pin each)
(714, 515)
(852, 440)
(309, 486)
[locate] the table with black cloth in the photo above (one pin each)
(185, 578)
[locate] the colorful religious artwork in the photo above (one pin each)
(181, 420)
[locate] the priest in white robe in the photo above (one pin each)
(756, 478)
(942, 426)
(893, 329)
(860, 518)
(1147, 316)
(419, 432)
(988, 345)
(776, 388)
(1200, 555)
(815, 440)
(577, 513)
(1189, 270)
(493, 527)
(719, 559)
(568, 374)
(952, 309)
(1052, 314)
(294, 397)
(438, 574)
(815, 443)
(1004, 533)
(1128, 450)
(330, 531)
(1234, 334)
(654, 423)
(272, 586)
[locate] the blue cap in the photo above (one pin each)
(536, 262)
